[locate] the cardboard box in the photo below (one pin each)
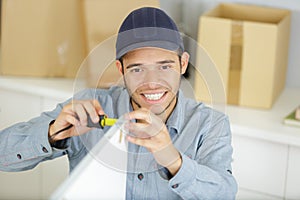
(249, 45)
(102, 20)
(42, 38)
(52, 38)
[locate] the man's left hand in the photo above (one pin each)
(151, 132)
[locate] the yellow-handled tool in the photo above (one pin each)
(105, 121)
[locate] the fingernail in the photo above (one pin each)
(96, 119)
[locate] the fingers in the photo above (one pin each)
(138, 141)
(84, 109)
(91, 108)
(142, 114)
(148, 130)
(71, 119)
(98, 107)
(147, 125)
(80, 113)
(140, 130)
(76, 113)
(151, 132)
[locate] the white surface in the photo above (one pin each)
(20, 185)
(55, 88)
(92, 178)
(17, 107)
(20, 100)
(265, 150)
(256, 167)
(293, 176)
(268, 124)
(52, 174)
(244, 194)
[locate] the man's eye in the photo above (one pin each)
(135, 70)
(164, 67)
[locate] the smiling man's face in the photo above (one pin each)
(152, 77)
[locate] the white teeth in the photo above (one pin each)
(154, 96)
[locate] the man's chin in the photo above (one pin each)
(154, 108)
(157, 110)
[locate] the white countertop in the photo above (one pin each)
(58, 88)
(254, 123)
(268, 124)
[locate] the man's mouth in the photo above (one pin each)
(154, 97)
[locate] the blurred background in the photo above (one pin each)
(46, 45)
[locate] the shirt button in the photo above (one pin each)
(19, 156)
(175, 186)
(65, 152)
(45, 150)
(140, 176)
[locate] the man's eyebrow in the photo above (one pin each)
(165, 61)
(158, 62)
(133, 65)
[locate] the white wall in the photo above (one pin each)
(186, 14)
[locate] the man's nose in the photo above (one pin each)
(152, 79)
(153, 85)
(151, 75)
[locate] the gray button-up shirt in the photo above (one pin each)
(201, 135)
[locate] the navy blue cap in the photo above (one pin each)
(148, 27)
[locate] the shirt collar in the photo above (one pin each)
(177, 116)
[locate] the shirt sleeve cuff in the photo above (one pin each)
(44, 148)
(61, 144)
(184, 176)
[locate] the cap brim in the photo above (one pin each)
(158, 44)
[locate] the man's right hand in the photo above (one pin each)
(76, 114)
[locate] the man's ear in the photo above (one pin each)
(184, 61)
(119, 66)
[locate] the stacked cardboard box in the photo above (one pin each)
(41, 38)
(102, 20)
(249, 45)
(51, 38)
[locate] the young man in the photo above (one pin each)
(178, 148)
